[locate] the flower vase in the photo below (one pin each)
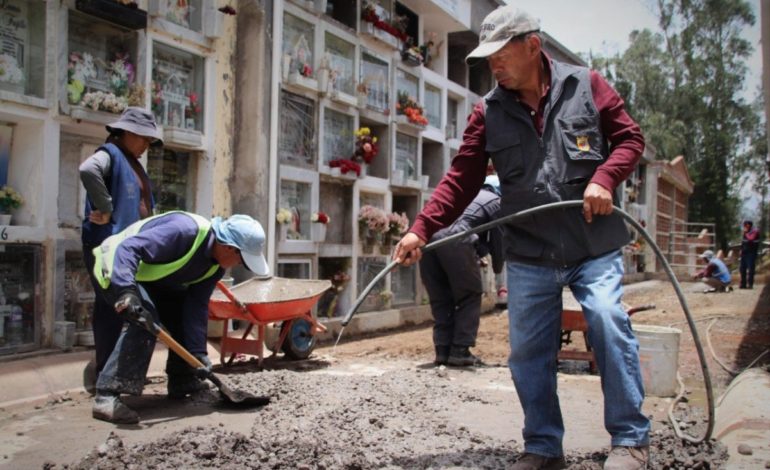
(367, 246)
(363, 171)
(323, 81)
(319, 232)
(286, 67)
(5, 219)
(284, 235)
(363, 99)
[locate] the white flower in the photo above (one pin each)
(9, 70)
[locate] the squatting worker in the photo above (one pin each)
(118, 193)
(555, 132)
(166, 267)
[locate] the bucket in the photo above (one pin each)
(64, 334)
(658, 358)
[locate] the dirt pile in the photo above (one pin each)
(399, 419)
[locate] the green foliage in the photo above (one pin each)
(684, 88)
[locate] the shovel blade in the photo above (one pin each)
(233, 396)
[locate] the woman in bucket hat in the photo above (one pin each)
(118, 193)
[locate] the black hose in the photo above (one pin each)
(565, 205)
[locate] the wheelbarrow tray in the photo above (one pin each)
(267, 300)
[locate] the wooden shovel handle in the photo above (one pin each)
(179, 349)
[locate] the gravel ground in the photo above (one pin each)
(400, 419)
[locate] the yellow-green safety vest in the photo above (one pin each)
(105, 253)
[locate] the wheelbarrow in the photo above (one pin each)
(572, 319)
(261, 302)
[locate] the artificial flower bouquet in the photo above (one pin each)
(10, 199)
(284, 216)
(408, 106)
(346, 166)
(366, 145)
(372, 221)
(319, 217)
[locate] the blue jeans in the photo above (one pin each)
(534, 310)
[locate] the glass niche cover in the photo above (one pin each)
(186, 13)
(101, 71)
(339, 58)
(373, 83)
(22, 46)
(177, 88)
(294, 210)
(170, 172)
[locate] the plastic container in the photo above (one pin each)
(658, 358)
(64, 334)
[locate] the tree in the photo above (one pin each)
(683, 86)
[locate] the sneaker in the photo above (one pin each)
(108, 407)
(442, 355)
(460, 356)
(709, 290)
(627, 458)
(181, 387)
(539, 462)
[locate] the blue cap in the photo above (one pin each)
(494, 183)
(246, 234)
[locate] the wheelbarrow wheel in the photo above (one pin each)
(299, 342)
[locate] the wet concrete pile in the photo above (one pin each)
(399, 419)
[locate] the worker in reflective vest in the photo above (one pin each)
(167, 266)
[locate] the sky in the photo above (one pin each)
(603, 26)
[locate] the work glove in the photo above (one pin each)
(203, 372)
(129, 306)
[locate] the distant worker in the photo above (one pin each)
(163, 269)
(715, 274)
(749, 250)
(452, 277)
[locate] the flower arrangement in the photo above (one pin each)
(121, 74)
(306, 70)
(156, 98)
(9, 70)
(80, 68)
(395, 28)
(194, 110)
(10, 199)
(407, 105)
(397, 224)
(372, 220)
(362, 88)
(319, 217)
(345, 166)
(366, 145)
(105, 101)
(284, 216)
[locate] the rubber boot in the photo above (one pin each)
(442, 355)
(108, 407)
(460, 356)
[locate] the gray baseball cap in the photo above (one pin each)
(707, 255)
(499, 27)
(138, 121)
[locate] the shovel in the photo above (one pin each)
(236, 397)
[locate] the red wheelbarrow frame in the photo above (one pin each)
(574, 320)
(260, 315)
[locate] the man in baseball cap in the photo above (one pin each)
(546, 119)
(499, 27)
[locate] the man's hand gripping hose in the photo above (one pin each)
(578, 204)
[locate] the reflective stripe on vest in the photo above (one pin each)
(105, 253)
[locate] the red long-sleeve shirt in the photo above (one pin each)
(468, 170)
